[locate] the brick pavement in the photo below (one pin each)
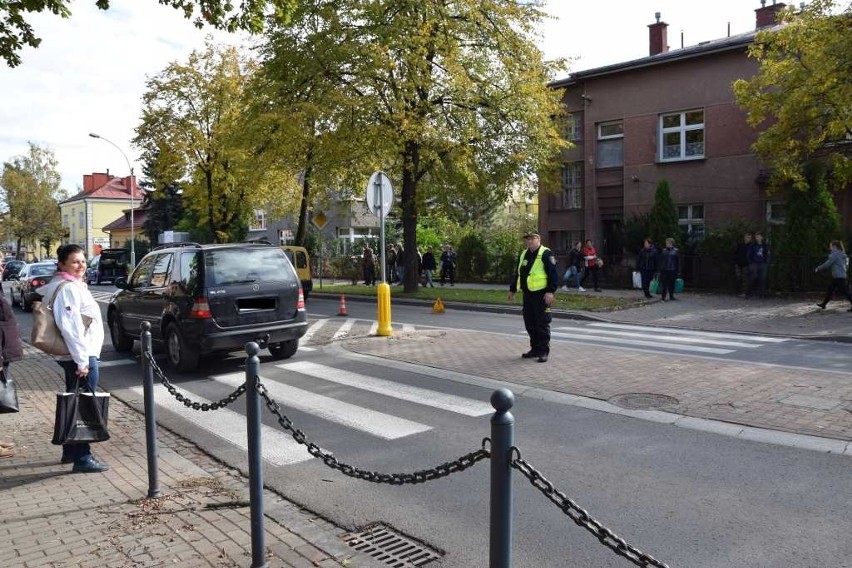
(51, 518)
(739, 393)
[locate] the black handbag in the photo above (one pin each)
(81, 416)
(8, 393)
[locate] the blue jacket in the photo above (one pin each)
(669, 261)
(839, 263)
(758, 253)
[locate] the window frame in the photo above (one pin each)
(607, 140)
(568, 189)
(682, 129)
(258, 221)
(574, 127)
(688, 223)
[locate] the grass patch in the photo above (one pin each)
(563, 301)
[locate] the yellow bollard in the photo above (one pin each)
(384, 307)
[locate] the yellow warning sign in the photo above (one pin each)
(438, 307)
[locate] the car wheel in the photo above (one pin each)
(12, 297)
(120, 341)
(180, 356)
(28, 306)
(284, 350)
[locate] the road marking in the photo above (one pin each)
(376, 423)
(435, 399)
(117, 363)
(278, 448)
(655, 344)
(344, 329)
(313, 330)
(663, 337)
(720, 335)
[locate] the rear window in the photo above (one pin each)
(246, 265)
(42, 270)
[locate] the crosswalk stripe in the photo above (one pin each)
(117, 363)
(313, 329)
(435, 399)
(656, 344)
(662, 337)
(374, 328)
(407, 328)
(344, 329)
(688, 332)
(278, 448)
(373, 422)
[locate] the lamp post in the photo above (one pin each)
(132, 200)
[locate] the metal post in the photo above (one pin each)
(377, 188)
(150, 412)
(255, 463)
(502, 440)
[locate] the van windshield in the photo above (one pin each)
(246, 265)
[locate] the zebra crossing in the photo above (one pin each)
(280, 449)
(662, 339)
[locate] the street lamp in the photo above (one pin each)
(132, 201)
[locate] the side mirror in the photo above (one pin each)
(121, 283)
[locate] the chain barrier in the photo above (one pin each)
(189, 403)
(582, 517)
(422, 476)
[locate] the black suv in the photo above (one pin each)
(110, 264)
(201, 299)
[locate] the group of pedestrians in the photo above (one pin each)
(395, 265)
(751, 266)
(583, 261)
(662, 265)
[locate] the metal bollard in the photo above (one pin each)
(150, 412)
(502, 440)
(255, 463)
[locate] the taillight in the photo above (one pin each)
(200, 309)
(300, 305)
(35, 282)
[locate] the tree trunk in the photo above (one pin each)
(302, 227)
(411, 161)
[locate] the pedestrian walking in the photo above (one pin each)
(368, 265)
(78, 318)
(448, 265)
(838, 262)
(429, 265)
(575, 267)
(647, 265)
(538, 279)
(593, 264)
(741, 271)
(10, 350)
(669, 269)
(400, 263)
(758, 266)
(390, 264)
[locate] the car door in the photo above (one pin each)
(152, 300)
(129, 301)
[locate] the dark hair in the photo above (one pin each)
(64, 251)
(837, 244)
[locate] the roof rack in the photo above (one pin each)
(176, 245)
(260, 241)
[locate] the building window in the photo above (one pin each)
(572, 185)
(682, 135)
(259, 221)
(564, 240)
(574, 126)
(610, 144)
(776, 213)
(80, 221)
(690, 219)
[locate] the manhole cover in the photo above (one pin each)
(391, 547)
(643, 401)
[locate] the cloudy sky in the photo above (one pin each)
(89, 73)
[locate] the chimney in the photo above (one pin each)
(657, 37)
(95, 181)
(768, 15)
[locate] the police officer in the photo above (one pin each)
(538, 278)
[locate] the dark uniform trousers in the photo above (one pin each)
(537, 322)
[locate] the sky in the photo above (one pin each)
(90, 72)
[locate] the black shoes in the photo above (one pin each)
(529, 355)
(66, 459)
(821, 305)
(649, 295)
(542, 359)
(90, 465)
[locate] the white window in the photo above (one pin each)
(776, 212)
(682, 135)
(80, 221)
(610, 144)
(259, 221)
(690, 218)
(572, 185)
(574, 126)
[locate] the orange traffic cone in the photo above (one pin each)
(438, 307)
(342, 311)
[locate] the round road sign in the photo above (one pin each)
(379, 194)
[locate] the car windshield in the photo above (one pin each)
(246, 265)
(42, 269)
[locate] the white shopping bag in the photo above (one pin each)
(637, 280)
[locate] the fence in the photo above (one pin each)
(499, 449)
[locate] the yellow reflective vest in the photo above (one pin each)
(537, 278)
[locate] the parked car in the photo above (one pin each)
(107, 266)
(301, 261)
(11, 269)
(30, 278)
(202, 299)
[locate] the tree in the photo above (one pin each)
(29, 187)
(192, 117)
(802, 95)
(456, 94)
(16, 32)
(662, 220)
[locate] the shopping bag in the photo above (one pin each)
(637, 280)
(81, 416)
(654, 288)
(678, 285)
(8, 393)
(45, 334)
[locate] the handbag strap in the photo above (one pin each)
(56, 293)
(89, 388)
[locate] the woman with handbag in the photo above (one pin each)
(10, 350)
(78, 318)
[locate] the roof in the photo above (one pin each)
(113, 189)
(703, 49)
(123, 222)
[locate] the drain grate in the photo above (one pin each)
(394, 549)
(644, 401)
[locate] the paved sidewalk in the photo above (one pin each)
(53, 518)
